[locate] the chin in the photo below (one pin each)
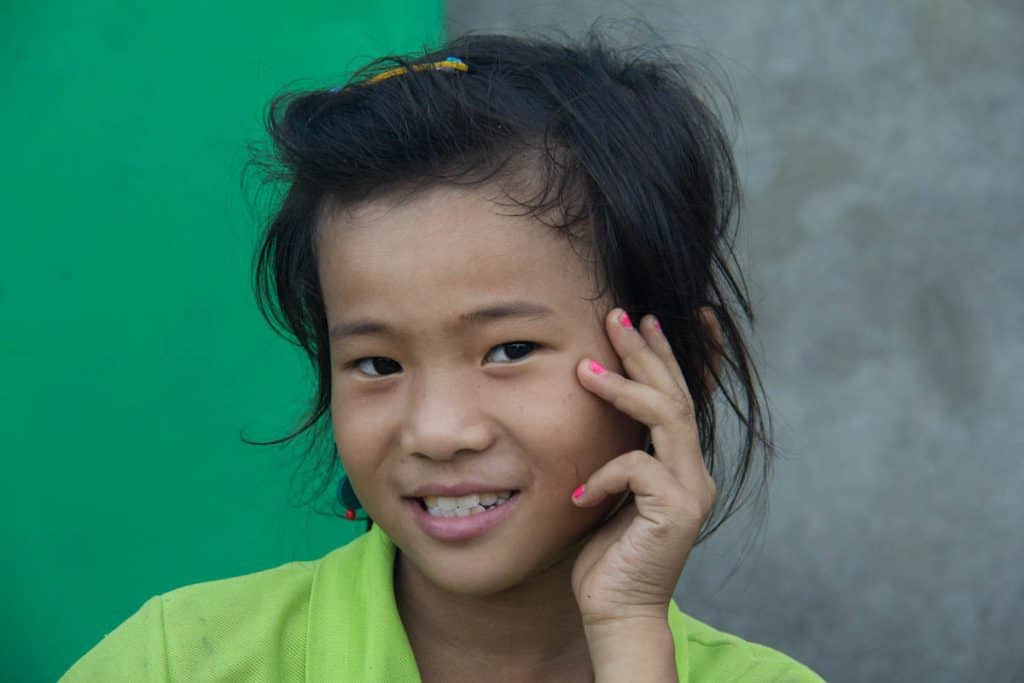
(473, 582)
(487, 574)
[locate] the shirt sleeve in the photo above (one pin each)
(801, 674)
(134, 651)
(779, 672)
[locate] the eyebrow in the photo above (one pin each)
(481, 316)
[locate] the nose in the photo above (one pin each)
(443, 417)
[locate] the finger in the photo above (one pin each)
(658, 341)
(671, 420)
(658, 495)
(638, 358)
(640, 401)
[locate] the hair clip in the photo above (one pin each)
(446, 64)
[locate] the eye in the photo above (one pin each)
(519, 348)
(373, 363)
(378, 366)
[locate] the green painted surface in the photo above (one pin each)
(132, 354)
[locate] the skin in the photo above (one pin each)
(522, 602)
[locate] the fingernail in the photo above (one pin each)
(596, 368)
(578, 492)
(656, 323)
(624, 320)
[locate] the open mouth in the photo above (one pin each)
(465, 506)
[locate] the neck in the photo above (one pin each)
(530, 632)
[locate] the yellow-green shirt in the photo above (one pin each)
(335, 619)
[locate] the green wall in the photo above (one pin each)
(132, 354)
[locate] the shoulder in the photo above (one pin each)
(715, 655)
(269, 595)
(204, 630)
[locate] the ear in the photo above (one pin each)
(710, 321)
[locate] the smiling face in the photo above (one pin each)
(430, 399)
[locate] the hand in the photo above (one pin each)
(629, 569)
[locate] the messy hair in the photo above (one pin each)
(627, 142)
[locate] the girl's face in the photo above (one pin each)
(422, 396)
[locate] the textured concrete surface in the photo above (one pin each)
(882, 155)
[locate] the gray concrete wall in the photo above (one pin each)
(882, 154)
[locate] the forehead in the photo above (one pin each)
(445, 248)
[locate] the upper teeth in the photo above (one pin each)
(466, 502)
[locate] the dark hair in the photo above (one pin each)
(626, 142)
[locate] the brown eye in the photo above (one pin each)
(516, 350)
(374, 362)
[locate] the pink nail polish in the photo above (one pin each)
(624, 320)
(578, 492)
(657, 324)
(596, 368)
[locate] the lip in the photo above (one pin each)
(461, 528)
(456, 489)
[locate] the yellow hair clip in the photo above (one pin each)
(446, 64)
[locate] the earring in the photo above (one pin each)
(347, 497)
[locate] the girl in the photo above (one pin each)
(508, 262)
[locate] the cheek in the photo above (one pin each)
(356, 436)
(576, 430)
(356, 425)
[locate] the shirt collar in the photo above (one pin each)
(354, 631)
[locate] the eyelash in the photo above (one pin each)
(357, 361)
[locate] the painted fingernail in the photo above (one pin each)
(624, 320)
(656, 323)
(578, 492)
(596, 368)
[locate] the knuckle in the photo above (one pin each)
(630, 461)
(694, 509)
(634, 459)
(697, 504)
(676, 406)
(662, 532)
(682, 407)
